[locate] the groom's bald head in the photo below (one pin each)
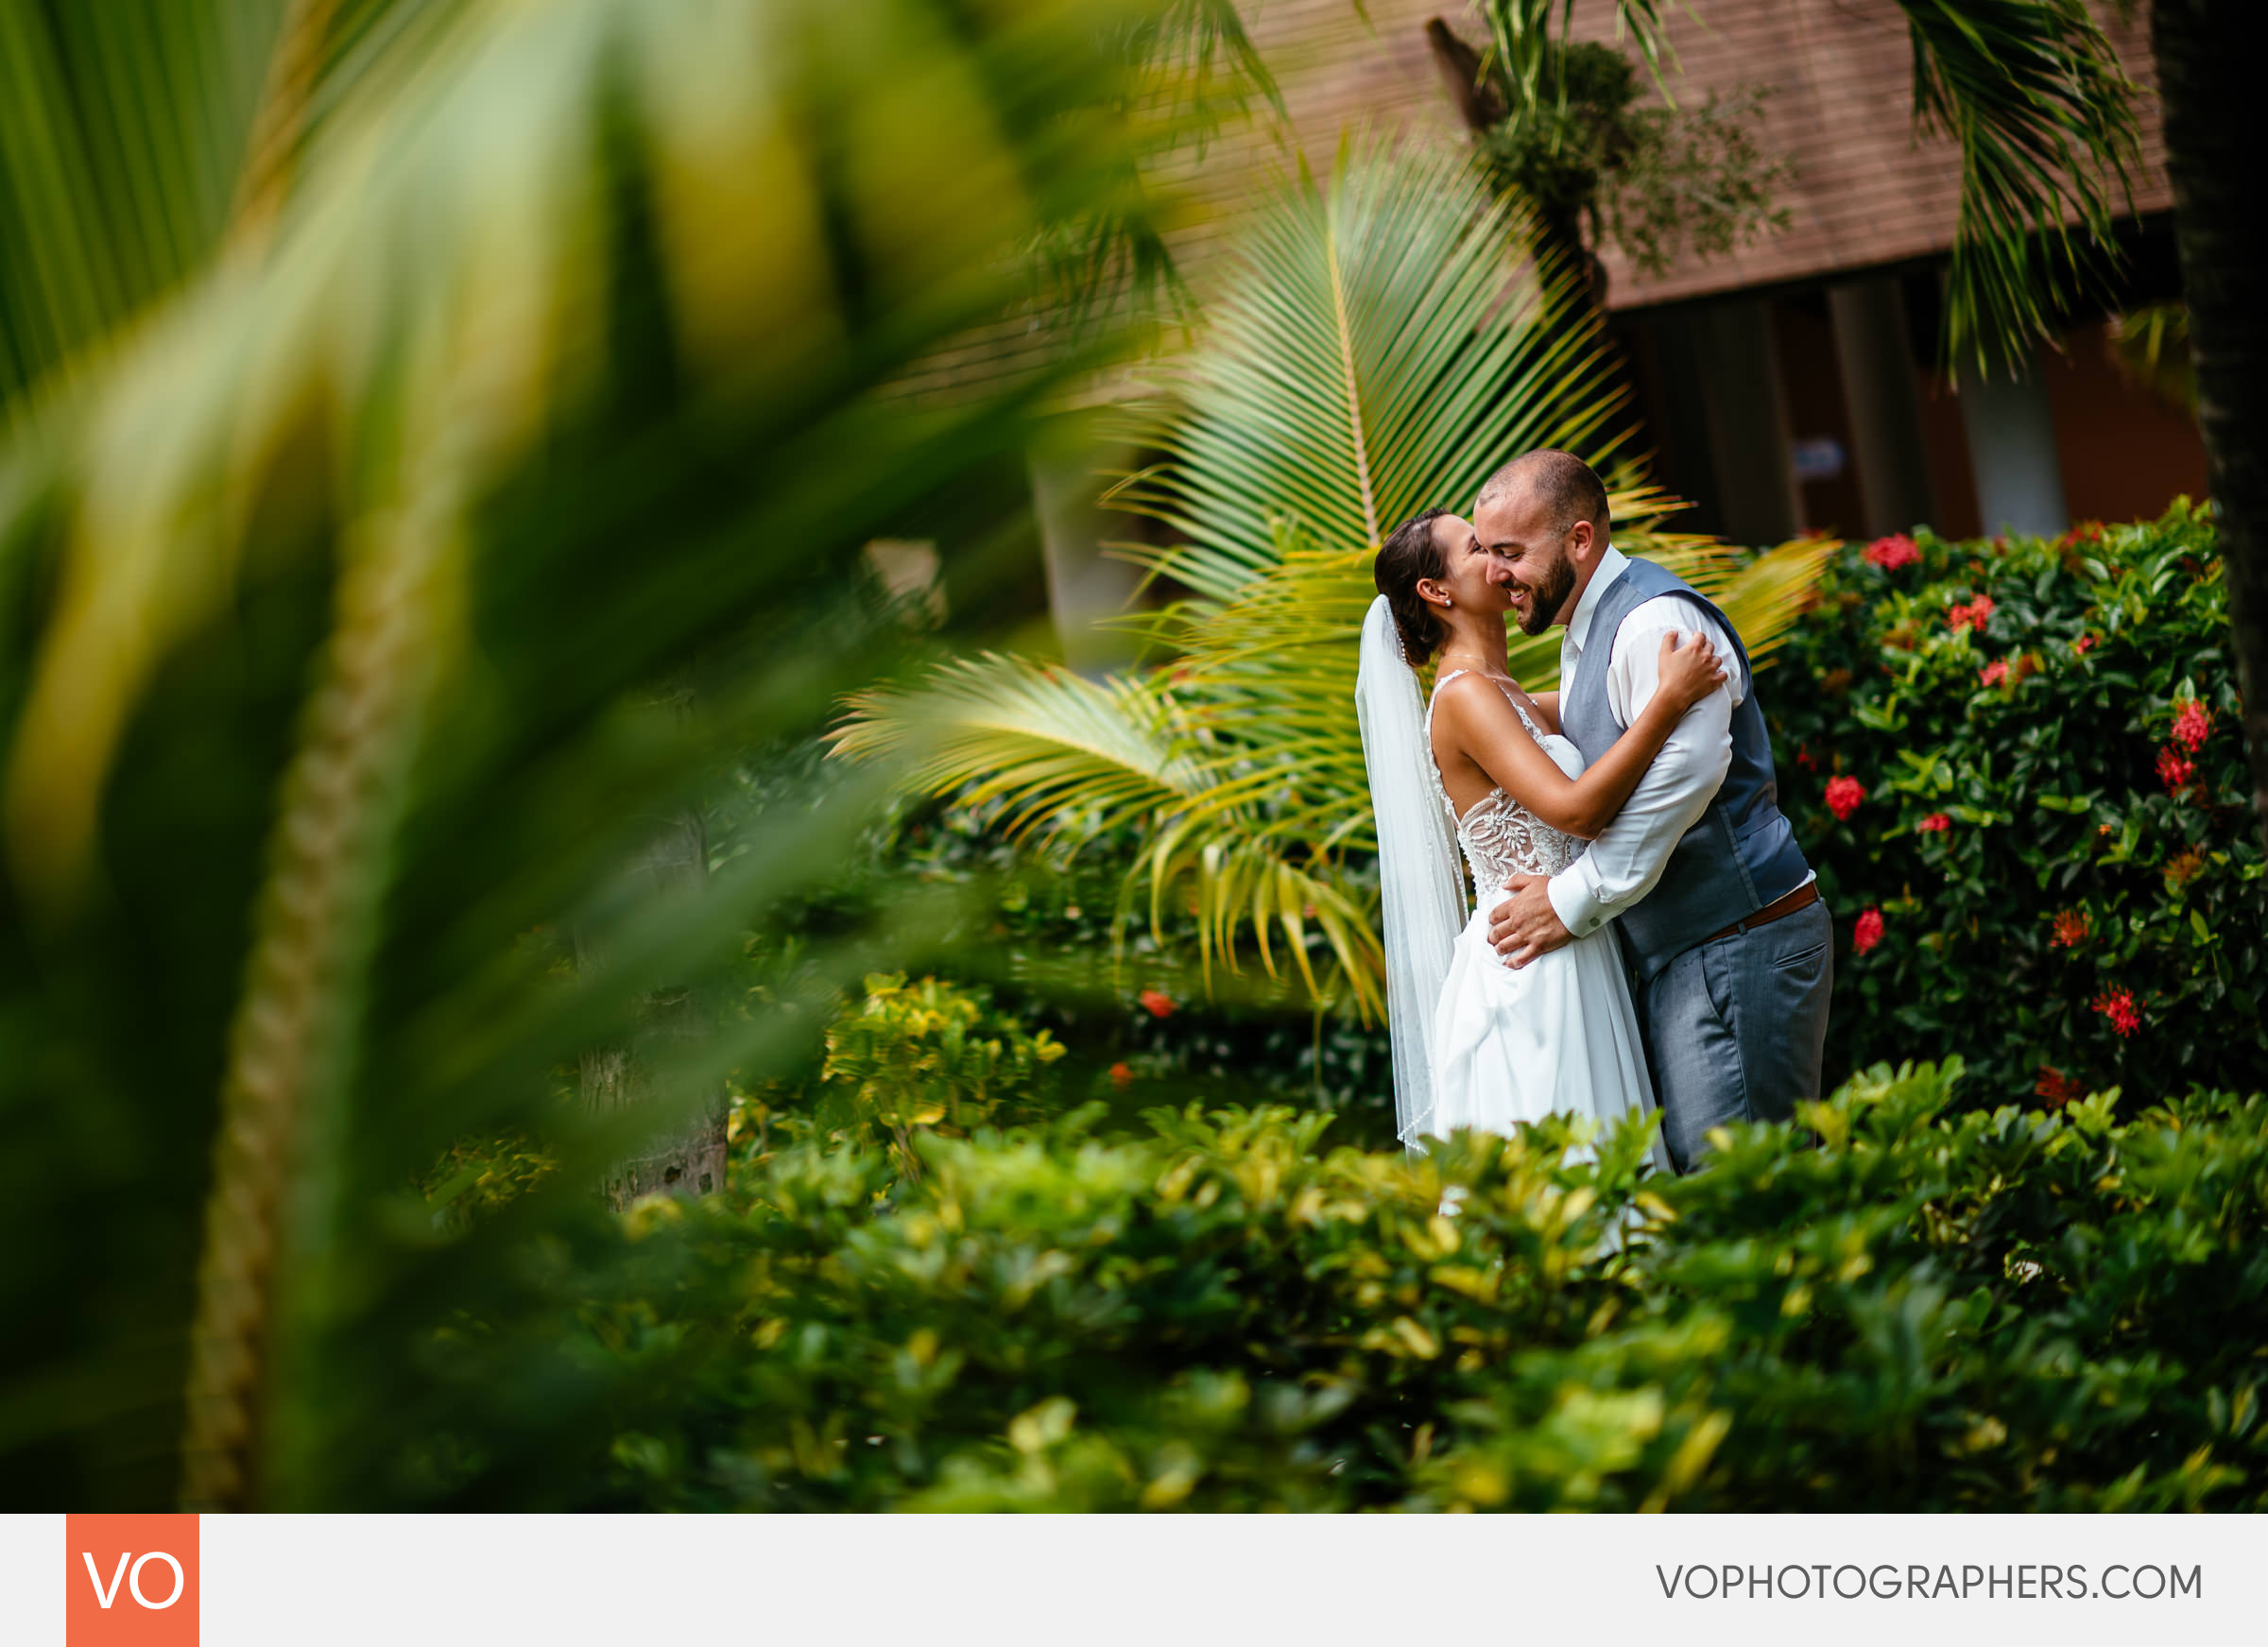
(1542, 517)
(1559, 485)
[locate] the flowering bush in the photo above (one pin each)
(1972, 614)
(1867, 932)
(2058, 865)
(1892, 552)
(2192, 725)
(2117, 1007)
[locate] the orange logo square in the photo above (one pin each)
(130, 1581)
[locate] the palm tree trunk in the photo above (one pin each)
(2220, 200)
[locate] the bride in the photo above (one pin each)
(1476, 1043)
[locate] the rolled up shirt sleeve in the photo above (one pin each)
(1626, 860)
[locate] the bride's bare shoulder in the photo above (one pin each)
(1480, 700)
(1469, 692)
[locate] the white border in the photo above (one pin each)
(1367, 1581)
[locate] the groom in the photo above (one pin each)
(1730, 950)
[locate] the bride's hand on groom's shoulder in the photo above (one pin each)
(1689, 673)
(1525, 925)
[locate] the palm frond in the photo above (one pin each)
(139, 137)
(1231, 877)
(1382, 338)
(1065, 753)
(2150, 346)
(120, 131)
(2044, 114)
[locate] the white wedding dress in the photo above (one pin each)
(1556, 1035)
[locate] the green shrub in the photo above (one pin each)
(476, 1175)
(926, 1055)
(1926, 1308)
(2050, 825)
(1044, 938)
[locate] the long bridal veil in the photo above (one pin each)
(1421, 883)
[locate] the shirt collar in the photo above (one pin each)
(1611, 564)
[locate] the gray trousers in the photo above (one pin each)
(1736, 1029)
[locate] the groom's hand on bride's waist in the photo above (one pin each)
(1525, 925)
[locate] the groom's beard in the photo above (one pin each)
(1545, 599)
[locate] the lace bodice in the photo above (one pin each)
(1501, 838)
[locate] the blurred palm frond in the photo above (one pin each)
(375, 587)
(2150, 346)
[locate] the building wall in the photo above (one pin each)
(2125, 453)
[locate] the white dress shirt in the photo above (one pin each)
(1628, 857)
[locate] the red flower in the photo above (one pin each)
(2118, 1006)
(1156, 1003)
(2084, 644)
(2072, 928)
(1868, 931)
(1994, 672)
(1844, 794)
(1970, 615)
(1934, 823)
(2192, 725)
(1121, 1076)
(2174, 771)
(1892, 552)
(2057, 1088)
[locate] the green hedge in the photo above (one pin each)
(1903, 1306)
(2017, 767)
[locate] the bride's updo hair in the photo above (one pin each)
(1409, 554)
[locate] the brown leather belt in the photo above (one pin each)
(1802, 898)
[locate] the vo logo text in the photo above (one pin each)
(130, 1581)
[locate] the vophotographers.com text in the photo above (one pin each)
(1886, 1581)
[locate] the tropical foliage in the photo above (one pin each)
(1922, 1309)
(2018, 773)
(369, 596)
(1380, 345)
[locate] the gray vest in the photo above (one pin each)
(1741, 854)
